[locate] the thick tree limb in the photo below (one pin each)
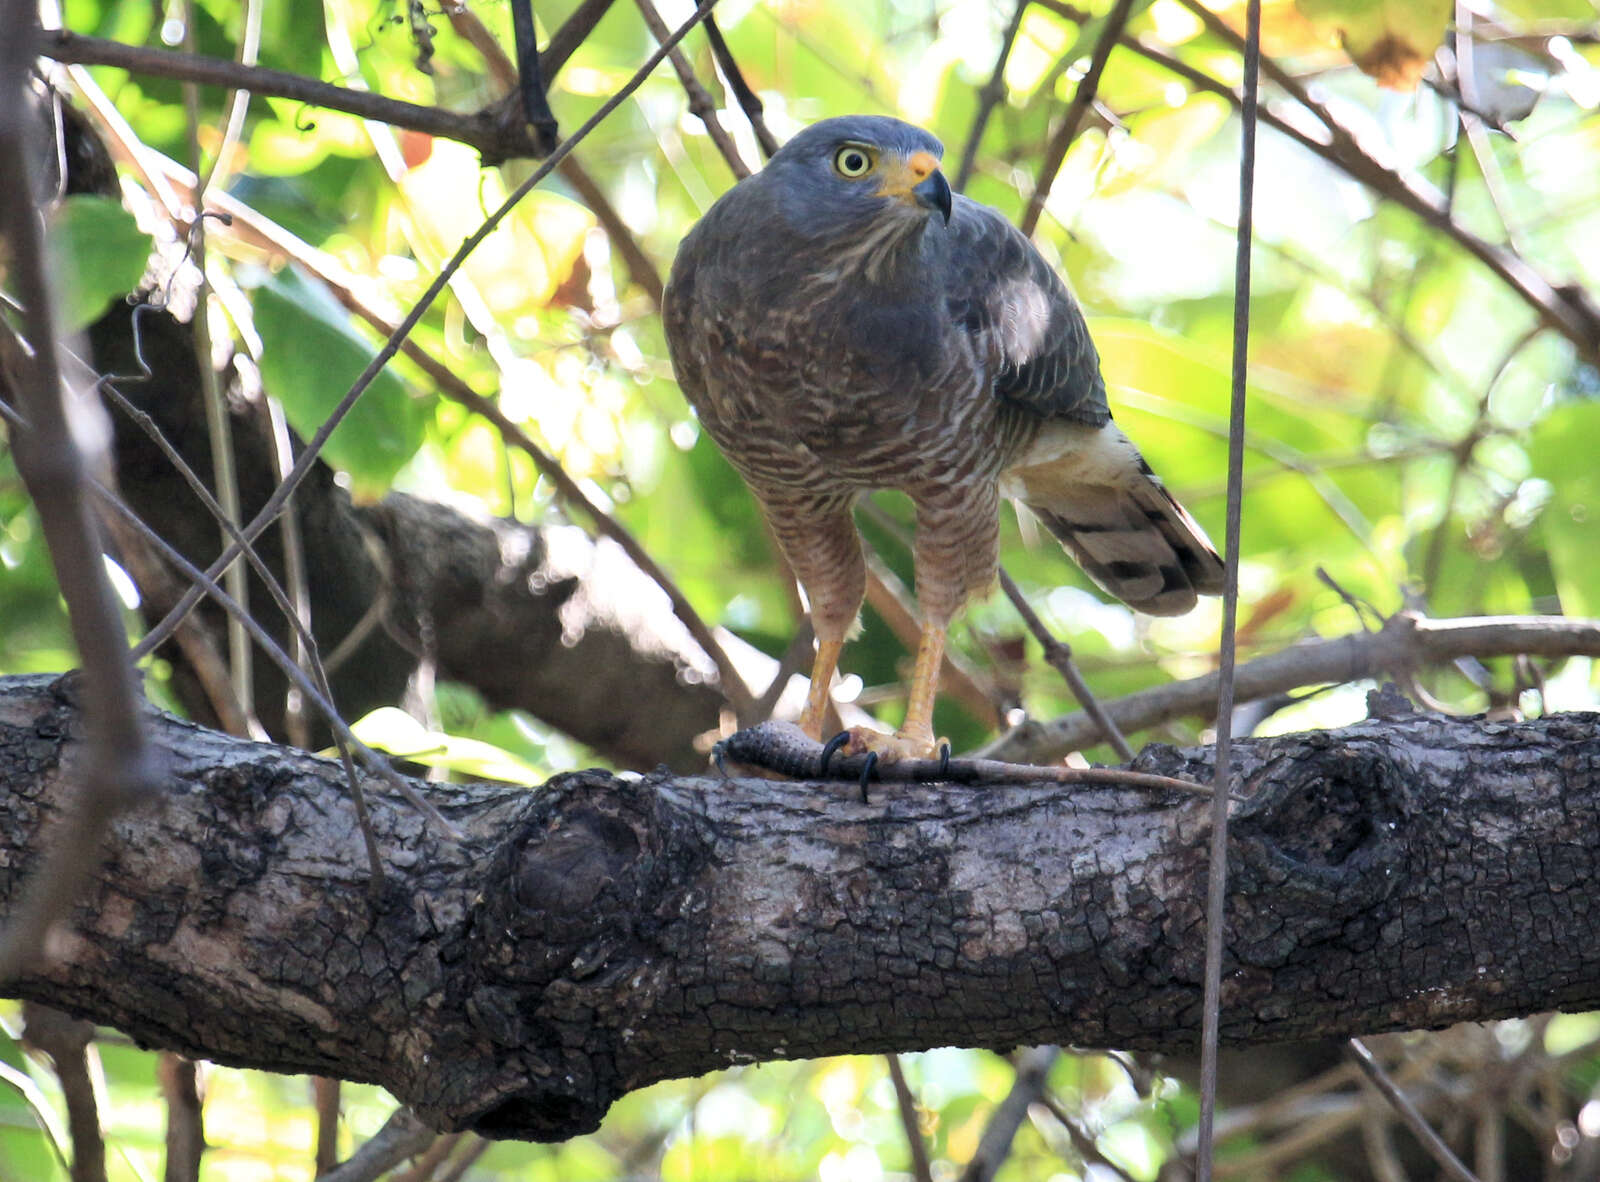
(1406, 642)
(600, 933)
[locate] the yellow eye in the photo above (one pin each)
(852, 161)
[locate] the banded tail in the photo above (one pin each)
(1093, 490)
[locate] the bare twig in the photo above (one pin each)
(699, 101)
(239, 100)
(1420, 1129)
(120, 766)
(1059, 656)
(219, 424)
(1061, 139)
(67, 1041)
(1405, 641)
(1217, 870)
(488, 131)
(989, 98)
(1082, 1142)
(1033, 1068)
(906, 1102)
(749, 101)
(429, 1161)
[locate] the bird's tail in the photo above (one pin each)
(1093, 490)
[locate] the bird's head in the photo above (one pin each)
(841, 172)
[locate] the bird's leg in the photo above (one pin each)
(822, 670)
(917, 732)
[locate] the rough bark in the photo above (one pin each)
(601, 932)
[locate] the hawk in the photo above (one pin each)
(841, 322)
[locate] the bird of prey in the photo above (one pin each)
(841, 322)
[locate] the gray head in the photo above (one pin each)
(839, 174)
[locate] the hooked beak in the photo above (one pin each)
(935, 194)
(919, 181)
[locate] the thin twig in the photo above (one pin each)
(1082, 1142)
(700, 103)
(466, 23)
(530, 80)
(1420, 1129)
(1217, 869)
(239, 101)
(1405, 641)
(749, 101)
(906, 1102)
(1059, 656)
(120, 767)
(219, 423)
(495, 137)
(989, 98)
(1056, 151)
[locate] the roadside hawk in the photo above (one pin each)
(842, 322)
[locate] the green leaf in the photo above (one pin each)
(1562, 452)
(311, 356)
(98, 255)
(393, 730)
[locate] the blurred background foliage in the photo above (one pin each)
(1415, 431)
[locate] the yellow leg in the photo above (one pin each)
(822, 670)
(918, 728)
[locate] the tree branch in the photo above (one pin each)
(499, 132)
(1405, 642)
(604, 932)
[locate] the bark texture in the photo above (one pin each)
(599, 933)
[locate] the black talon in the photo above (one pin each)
(867, 769)
(717, 755)
(944, 761)
(830, 749)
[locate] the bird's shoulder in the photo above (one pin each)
(1022, 317)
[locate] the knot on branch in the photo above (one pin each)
(569, 944)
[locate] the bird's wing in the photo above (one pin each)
(1022, 319)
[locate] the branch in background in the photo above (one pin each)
(495, 136)
(1406, 641)
(466, 23)
(910, 1121)
(749, 101)
(988, 98)
(1058, 654)
(530, 82)
(186, 1135)
(700, 104)
(402, 1136)
(1056, 150)
(67, 1040)
(1033, 1069)
(120, 768)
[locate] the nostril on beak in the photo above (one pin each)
(922, 164)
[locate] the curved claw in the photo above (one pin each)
(867, 768)
(830, 749)
(718, 756)
(944, 760)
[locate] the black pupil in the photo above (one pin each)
(854, 162)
